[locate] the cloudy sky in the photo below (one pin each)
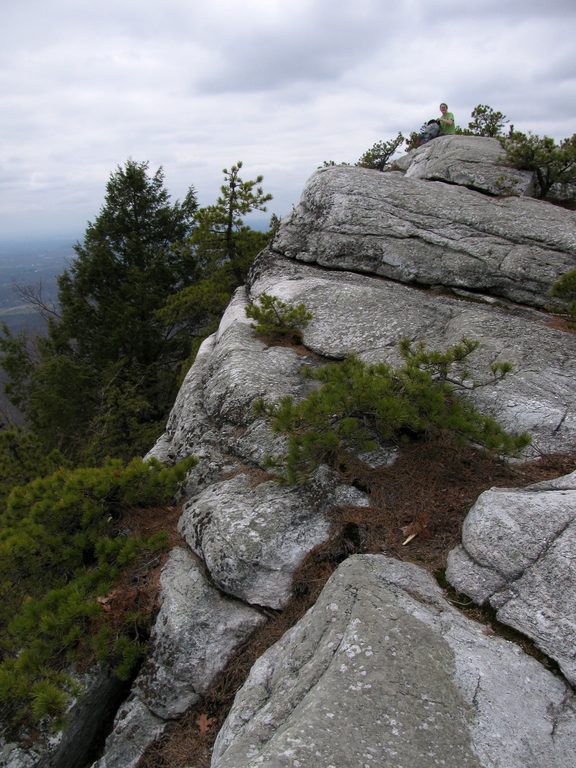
(195, 85)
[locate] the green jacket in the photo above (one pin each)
(447, 129)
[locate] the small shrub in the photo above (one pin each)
(551, 163)
(59, 552)
(380, 154)
(358, 405)
(565, 288)
(274, 317)
(486, 121)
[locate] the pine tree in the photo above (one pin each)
(224, 248)
(221, 231)
(380, 154)
(552, 163)
(486, 121)
(103, 379)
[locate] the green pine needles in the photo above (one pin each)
(60, 550)
(565, 288)
(357, 406)
(274, 317)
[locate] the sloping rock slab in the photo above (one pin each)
(518, 553)
(135, 728)
(382, 671)
(477, 162)
(214, 406)
(196, 631)
(430, 233)
(252, 537)
(367, 316)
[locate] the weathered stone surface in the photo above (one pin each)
(183, 436)
(215, 403)
(196, 632)
(368, 317)
(134, 730)
(430, 233)
(13, 756)
(253, 537)
(477, 162)
(519, 553)
(382, 671)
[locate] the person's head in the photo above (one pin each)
(443, 107)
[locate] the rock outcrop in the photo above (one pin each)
(430, 233)
(518, 554)
(475, 162)
(382, 671)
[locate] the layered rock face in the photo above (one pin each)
(519, 554)
(382, 671)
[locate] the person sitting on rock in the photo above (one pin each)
(447, 123)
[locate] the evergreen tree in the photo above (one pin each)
(103, 379)
(552, 163)
(224, 249)
(358, 406)
(221, 231)
(380, 154)
(124, 270)
(565, 288)
(486, 121)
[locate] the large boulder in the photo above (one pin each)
(362, 315)
(214, 407)
(518, 554)
(353, 228)
(476, 162)
(196, 631)
(382, 671)
(252, 537)
(430, 233)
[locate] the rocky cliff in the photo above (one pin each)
(383, 670)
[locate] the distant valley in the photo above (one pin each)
(34, 263)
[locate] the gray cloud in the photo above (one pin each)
(194, 86)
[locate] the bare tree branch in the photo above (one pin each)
(31, 295)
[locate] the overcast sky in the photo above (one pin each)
(195, 85)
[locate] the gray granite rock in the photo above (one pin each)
(214, 408)
(518, 553)
(13, 756)
(382, 671)
(196, 631)
(366, 316)
(135, 728)
(430, 233)
(476, 162)
(252, 537)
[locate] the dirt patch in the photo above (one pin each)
(425, 494)
(562, 323)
